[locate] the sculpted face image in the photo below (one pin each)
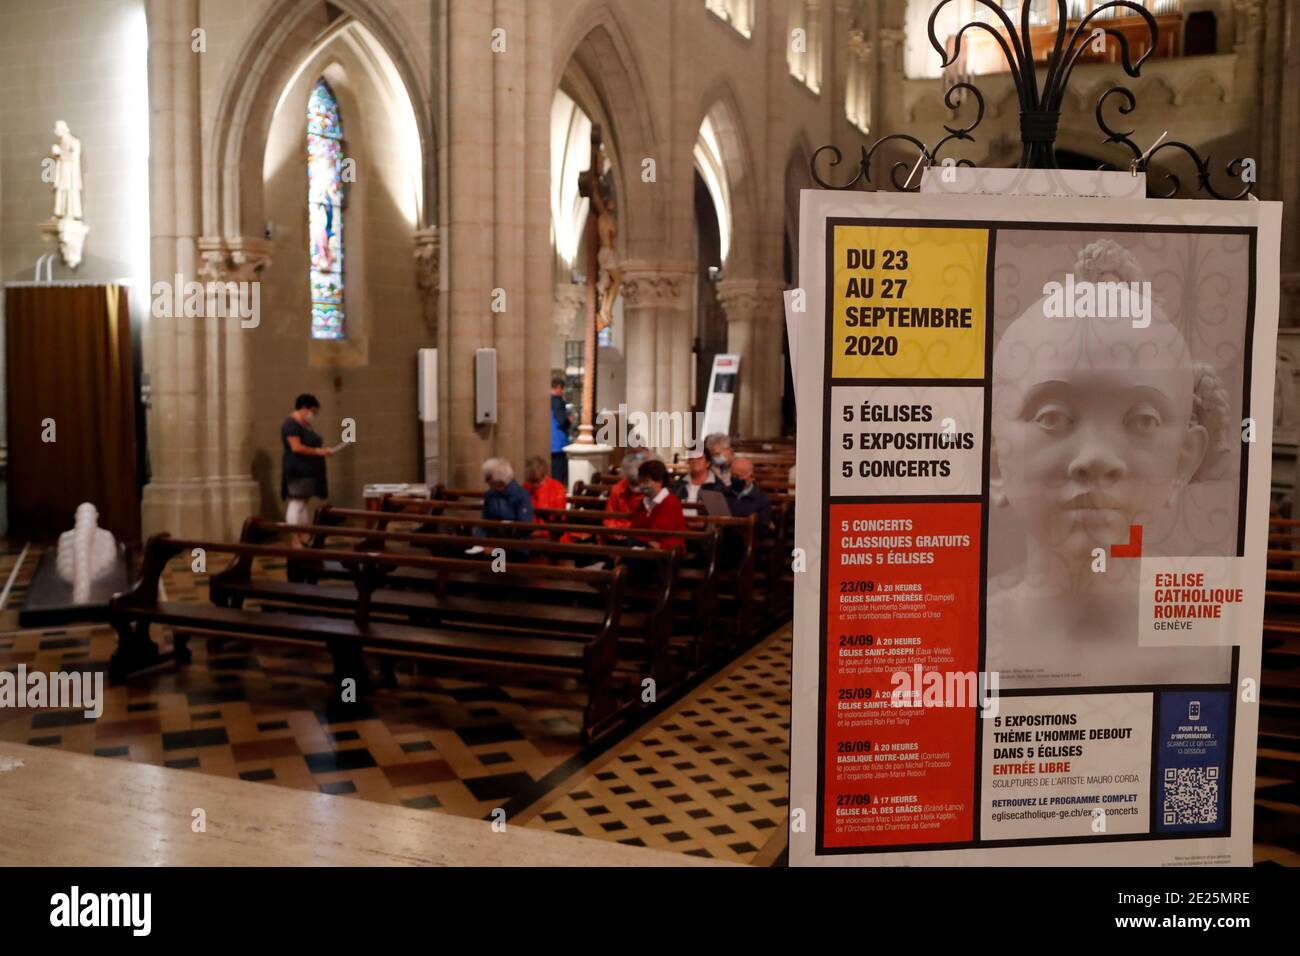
(1100, 422)
(1093, 427)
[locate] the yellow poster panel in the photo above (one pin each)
(909, 302)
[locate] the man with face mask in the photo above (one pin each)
(746, 498)
(699, 477)
(302, 470)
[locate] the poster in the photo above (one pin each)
(722, 395)
(1028, 629)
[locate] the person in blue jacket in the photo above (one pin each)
(560, 425)
(505, 499)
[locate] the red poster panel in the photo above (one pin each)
(901, 682)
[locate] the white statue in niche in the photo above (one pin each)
(86, 553)
(65, 226)
(67, 173)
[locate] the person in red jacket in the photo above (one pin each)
(545, 491)
(624, 497)
(659, 509)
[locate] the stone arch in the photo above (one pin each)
(721, 110)
(598, 67)
(286, 37)
(798, 176)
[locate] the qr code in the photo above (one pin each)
(1191, 795)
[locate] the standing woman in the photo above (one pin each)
(302, 473)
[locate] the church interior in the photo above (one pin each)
(309, 303)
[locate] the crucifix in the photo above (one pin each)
(589, 186)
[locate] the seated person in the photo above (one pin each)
(746, 498)
(623, 497)
(504, 500)
(698, 478)
(659, 508)
(544, 490)
(717, 448)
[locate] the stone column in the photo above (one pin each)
(755, 318)
(657, 299)
(179, 429)
(496, 219)
(201, 419)
(1279, 133)
(232, 270)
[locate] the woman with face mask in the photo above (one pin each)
(659, 508)
(302, 472)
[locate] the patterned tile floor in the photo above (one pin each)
(709, 777)
(706, 776)
(467, 745)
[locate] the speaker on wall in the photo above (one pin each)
(427, 395)
(485, 386)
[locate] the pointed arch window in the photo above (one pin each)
(325, 212)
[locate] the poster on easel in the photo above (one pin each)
(1034, 446)
(723, 379)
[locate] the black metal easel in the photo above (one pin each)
(1040, 109)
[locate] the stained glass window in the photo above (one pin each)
(325, 211)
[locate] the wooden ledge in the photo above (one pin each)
(64, 809)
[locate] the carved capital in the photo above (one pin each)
(570, 301)
(1249, 20)
(233, 258)
(859, 46)
(892, 36)
(427, 254)
(657, 286)
(747, 299)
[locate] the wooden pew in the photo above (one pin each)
(693, 574)
(1279, 715)
(773, 589)
(644, 623)
(698, 584)
(589, 651)
(735, 597)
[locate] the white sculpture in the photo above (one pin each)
(1099, 425)
(65, 226)
(86, 553)
(67, 173)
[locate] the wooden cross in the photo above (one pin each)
(589, 187)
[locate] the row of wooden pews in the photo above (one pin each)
(431, 580)
(390, 603)
(1279, 715)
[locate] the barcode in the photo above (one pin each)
(1191, 795)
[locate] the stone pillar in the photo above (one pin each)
(496, 220)
(657, 299)
(755, 312)
(1279, 134)
(192, 486)
(232, 269)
